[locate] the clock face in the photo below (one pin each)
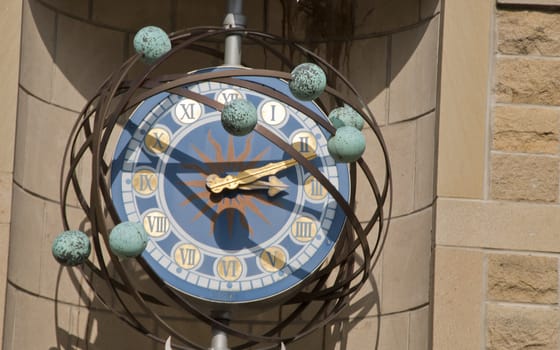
(243, 245)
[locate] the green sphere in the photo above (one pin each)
(347, 145)
(308, 81)
(239, 117)
(128, 239)
(71, 248)
(152, 43)
(346, 116)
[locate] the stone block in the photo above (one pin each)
(312, 341)
(424, 177)
(21, 136)
(401, 142)
(85, 56)
(99, 330)
(528, 81)
(385, 15)
(389, 332)
(213, 13)
(498, 225)
(523, 278)
(187, 18)
(365, 199)
(420, 327)
(458, 299)
(526, 129)
(414, 62)
(367, 70)
(130, 15)
(38, 38)
(38, 323)
(45, 137)
(528, 32)
(406, 262)
(4, 250)
(8, 318)
(367, 301)
(353, 334)
(79, 8)
(515, 327)
(10, 27)
(274, 15)
(198, 332)
(24, 266)
(5, 197)
(463, 101)
(56, 281)
(393, 327)
(520, 177)
(429, 8)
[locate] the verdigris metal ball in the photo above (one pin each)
(308, 81)
(71, 248)
(239, 117)
(346, 116)
(151, 42)
(128, 239)
(347, 145)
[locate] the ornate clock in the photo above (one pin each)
(229, 220)
(240, 244)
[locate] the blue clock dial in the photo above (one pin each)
(241, 245)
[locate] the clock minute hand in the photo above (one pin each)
(217, 184)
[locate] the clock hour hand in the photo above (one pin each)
(273, 185)
(217, 184)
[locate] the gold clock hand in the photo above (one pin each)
(273, 185)
(217, 184)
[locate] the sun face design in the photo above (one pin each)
(232, 205)
(242, 244)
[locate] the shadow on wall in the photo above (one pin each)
(100, 329)
(86, 43)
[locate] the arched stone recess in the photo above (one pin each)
(67, 50)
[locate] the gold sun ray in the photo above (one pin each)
(246, 226)
(243, 156)
(238, 204)
(202, 212)
(196, 167)
(214, 205)
(257, 211)
(196, 183)
(230, 221)
(217, 147)
(231, 149)
(202, 156)
(261, 154)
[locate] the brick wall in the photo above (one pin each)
(497, 246)
(522, 287)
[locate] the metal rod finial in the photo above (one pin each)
(234, 19)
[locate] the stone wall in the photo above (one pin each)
(522, 287)
(497, 247)
(68, 47)
(10, 25)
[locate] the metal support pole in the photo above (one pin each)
(219, 337)
(234, 19)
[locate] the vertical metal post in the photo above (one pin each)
(219, 337)
(234, 19)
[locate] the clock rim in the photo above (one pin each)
(292, 287)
